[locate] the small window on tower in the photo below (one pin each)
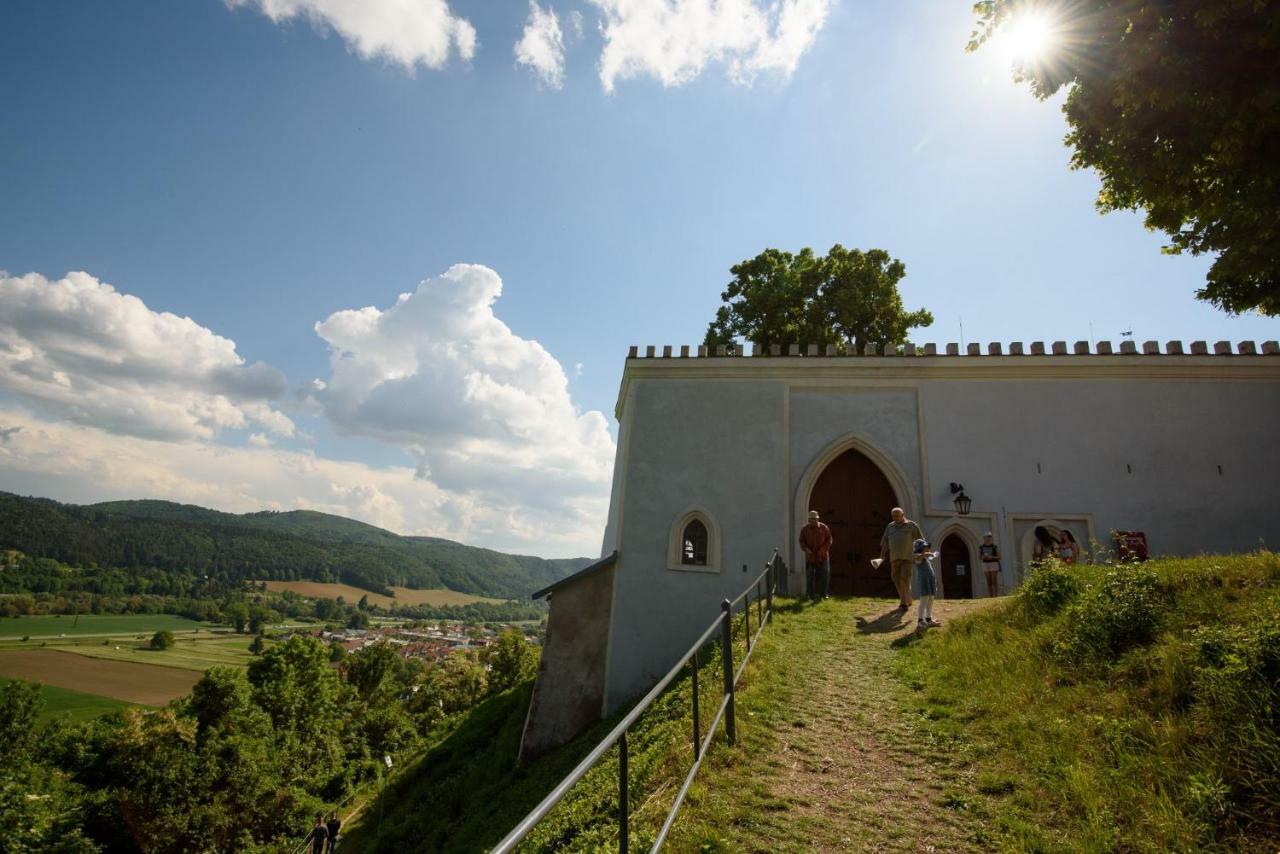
(695, 544)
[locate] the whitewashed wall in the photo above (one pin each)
(1128, 442)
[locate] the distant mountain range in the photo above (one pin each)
(297, 545)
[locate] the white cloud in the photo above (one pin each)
(674, 40)
(577, 369)
(541, 46)
(78, 349)
(404, 32)
(83, 464)
(487, 414)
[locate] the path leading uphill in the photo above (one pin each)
(829, 758)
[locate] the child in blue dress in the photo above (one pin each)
(926, 584)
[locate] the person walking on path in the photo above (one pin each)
(815, 539)
(989, 552)
(333, 826)
(896, 546)
(926, 584)
(318, 836)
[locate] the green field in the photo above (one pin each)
(199, 653)
(52, 626)
(73, 705)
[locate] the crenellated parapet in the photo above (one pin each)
(1127, 347)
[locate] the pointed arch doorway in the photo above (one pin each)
(854, 498)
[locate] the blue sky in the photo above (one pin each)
(260, 176)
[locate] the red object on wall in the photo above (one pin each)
(1131, 545)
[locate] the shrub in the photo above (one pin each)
(162, 639)
(1237, 684)
(1122, 613)
(1048, 587)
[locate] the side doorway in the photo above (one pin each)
(957, 568)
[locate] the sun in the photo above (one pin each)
(1028, 37)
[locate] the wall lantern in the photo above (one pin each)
(963, 502)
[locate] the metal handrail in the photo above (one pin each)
(618, 735)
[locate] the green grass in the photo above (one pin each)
(199, 653)
(73, 705)
(477, 793)
(1136, 711)
(1104, 709)
(795, 703)
(53, 626)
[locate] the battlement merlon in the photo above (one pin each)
(1199, 360)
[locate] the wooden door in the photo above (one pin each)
(854, 498)
(956, 568)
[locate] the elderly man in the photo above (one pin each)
(896, 546)
(815, 539)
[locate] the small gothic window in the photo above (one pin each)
(695, 544)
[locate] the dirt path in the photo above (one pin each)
(828, 758)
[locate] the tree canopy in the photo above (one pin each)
(844, 297)
(1176, 105)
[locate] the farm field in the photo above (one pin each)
(52, 626)
(144, 684)
(74, 706)
(199, 653)
(404, 596)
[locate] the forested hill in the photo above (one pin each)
(297, 545)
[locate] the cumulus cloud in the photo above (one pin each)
(487, 414)
(78, 349)
(83, 464)
(541, 46)
(407, 33)
(674, 40)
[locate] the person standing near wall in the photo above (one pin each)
(897, 546)
(989, 552)
(815, 539)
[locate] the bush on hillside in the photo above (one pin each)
(1237, 683)
(1048, 587)
(162, 639)
(1123, 612)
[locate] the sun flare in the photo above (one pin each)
(1028, 37)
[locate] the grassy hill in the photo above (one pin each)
(1107, 708)
(298, 545)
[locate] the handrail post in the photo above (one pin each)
(697, 736)
(768, 589)
(726, 652)
(623, 806)
(746, 618)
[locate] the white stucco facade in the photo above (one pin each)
(1181, 447)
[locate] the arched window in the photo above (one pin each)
(694, 550)
(694, 542)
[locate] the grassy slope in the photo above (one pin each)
(1124, 751)
(794, 705)
(857, 733)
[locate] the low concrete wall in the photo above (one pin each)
(569, 693)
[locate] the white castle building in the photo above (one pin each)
(721, 456)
